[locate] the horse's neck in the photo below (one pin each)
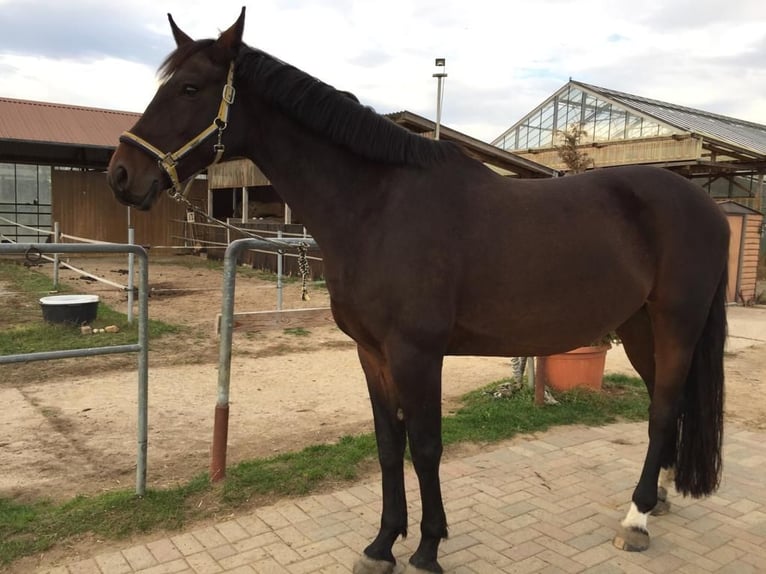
(326, 185)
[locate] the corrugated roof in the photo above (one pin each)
(730, 131)
(29, 121)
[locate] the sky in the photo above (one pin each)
(503, 57)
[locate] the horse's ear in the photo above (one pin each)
(180, 36)
(231, 39)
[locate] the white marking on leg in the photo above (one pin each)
(635, 519)
(667, 478)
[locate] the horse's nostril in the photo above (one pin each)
(119, 178)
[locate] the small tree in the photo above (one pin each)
(575, 159)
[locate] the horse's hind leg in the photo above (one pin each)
(391, 439)
(675, 335)
(637, 338)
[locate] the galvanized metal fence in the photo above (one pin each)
(141, 347)
(56, 235)
(226, 326)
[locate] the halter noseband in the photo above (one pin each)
(169, 161)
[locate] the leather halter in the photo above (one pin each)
(168, 162)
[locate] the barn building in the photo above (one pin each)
(53, 159)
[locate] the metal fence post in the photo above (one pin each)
(280, 270)
(143, 374)
(131, 267)
(56, 239)
(221, 421)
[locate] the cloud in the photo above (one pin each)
(78, 30)
(120, 84)
(370, 58)
(680, 15)
(503, 58)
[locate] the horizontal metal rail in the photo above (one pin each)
(68, 354)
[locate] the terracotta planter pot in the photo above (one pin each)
(581, 367)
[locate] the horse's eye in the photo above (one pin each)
(190, 89)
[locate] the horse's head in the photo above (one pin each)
(181, 132)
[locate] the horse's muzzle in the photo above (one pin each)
(120, 181)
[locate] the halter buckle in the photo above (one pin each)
(168, 160)
(228, 94)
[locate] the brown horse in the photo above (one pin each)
(428, 253)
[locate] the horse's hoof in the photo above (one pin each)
(661, 508)
(366, 565)
(430, 568)
(631, 539)
(415, 570)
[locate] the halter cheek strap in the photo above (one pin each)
(168, 162)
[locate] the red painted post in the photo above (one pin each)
(220, 437)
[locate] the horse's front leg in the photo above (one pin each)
(424, 430)
(418, 380)
(390, 436)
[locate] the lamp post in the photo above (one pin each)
(439, 75)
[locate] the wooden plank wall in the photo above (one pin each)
(84, 206)
(628, 152)
(750, 255)
(236, 173)
(736, 230)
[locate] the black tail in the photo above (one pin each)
(700, 424)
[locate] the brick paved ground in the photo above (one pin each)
(548, 504)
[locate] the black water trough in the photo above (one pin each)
(76, 309)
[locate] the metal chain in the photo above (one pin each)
(304, 269)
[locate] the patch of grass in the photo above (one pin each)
(297, 332)
(24, 278)
(32, 528)
(486, 419)
(25, 331)
(301, 472)
(27, 529)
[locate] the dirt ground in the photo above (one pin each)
(70, 426)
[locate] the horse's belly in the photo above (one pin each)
(542, 327)
(463, 343)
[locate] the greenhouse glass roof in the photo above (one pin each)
(608, 115)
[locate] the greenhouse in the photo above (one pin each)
(725, 155)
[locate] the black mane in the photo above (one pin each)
(335, 114)
(318, 106)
